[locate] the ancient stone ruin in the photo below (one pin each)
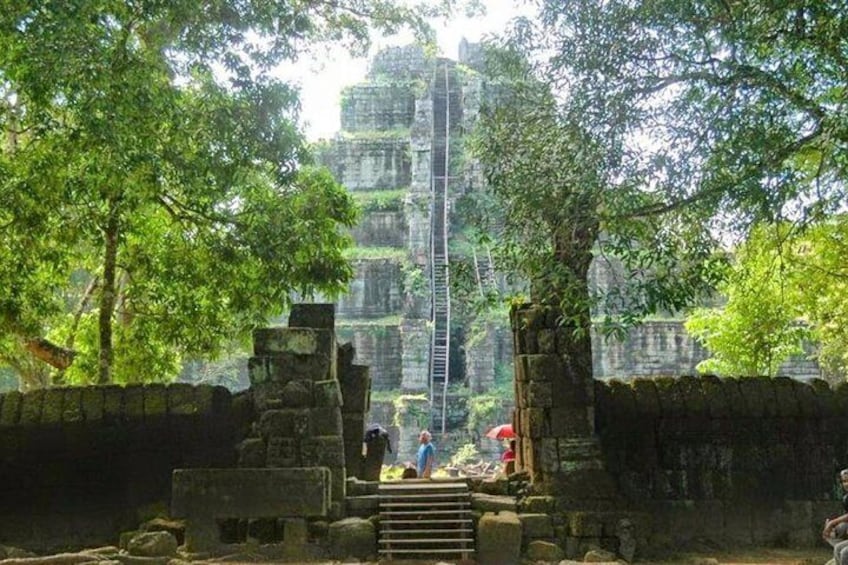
(401, 153)
(627, 468)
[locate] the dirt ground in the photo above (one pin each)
(742, 557)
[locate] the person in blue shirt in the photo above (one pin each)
(426, 455)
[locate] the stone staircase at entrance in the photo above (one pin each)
(421, 519)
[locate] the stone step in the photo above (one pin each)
(426, 517)
(433, 541)
(427, 533)
(424, 551)
(461, 504)
(425, 496)
(446, 523)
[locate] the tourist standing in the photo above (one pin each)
(426, 454)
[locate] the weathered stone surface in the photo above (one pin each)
(599, 556)
(289, 422)
(492, 503)
(323, 451)
(536, 526)
(155, 401)
(312, 315)
(296, 394)
(352, 537)
(499, 538)
(546, 551)
(538, 504)
(11, 408)
(51, 411)
(249, 493)
(252, 453)
(282, 452)
(327, 393)
(153, 544)
(363, 506)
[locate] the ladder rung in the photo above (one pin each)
(424, 540)
(416, 522)
(429, 504)
(399, 513)
(389, 551)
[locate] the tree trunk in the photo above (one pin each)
(107, 294)
(52, 354)
(573, 252)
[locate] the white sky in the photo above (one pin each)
(322, 78)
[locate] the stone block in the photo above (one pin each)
(787, 401)
(296, 394)
(181, 400)
(693, 395)
(345, 354)
(548, 459)
(808, 401)
(272, 341)
(323, 451)
(295, 532)
(290, 422)
(282, 452)
(155, 401)
(545, 551)
(718, 404)
(327, 393)
(567, 422)
(537, 505)
(329, 421)
(671, 398)
(758, 394)
(356, 386)
(492, 503)
(134, 403)
(585, 524)
(546, 341)
(499, 539)
(623, 407)
(356, 487)
(533, 422)
(252, 453)
(352, 538)
(10, 410)
(645, 396)
(285, 367)
(498, 486)
(203, 496)
(544, 367)
(318, 316)
(539, 394)
(72, 405)
(574, 393)
(257, 370)
(92, 404)
(536, 526)
(362, 506)
(51, 409)
(152, 544)
(31, 408)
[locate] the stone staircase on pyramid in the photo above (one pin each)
(425, 519)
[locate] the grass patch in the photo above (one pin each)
(376, 134)
(359, 253)
(381, 200)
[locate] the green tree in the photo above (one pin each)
(157, 198)
(760, 326)
(647, 132)
(787, 286)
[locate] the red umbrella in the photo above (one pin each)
(504, 431)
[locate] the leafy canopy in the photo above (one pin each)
(787, 286)
(157, 194)
(657, 130)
